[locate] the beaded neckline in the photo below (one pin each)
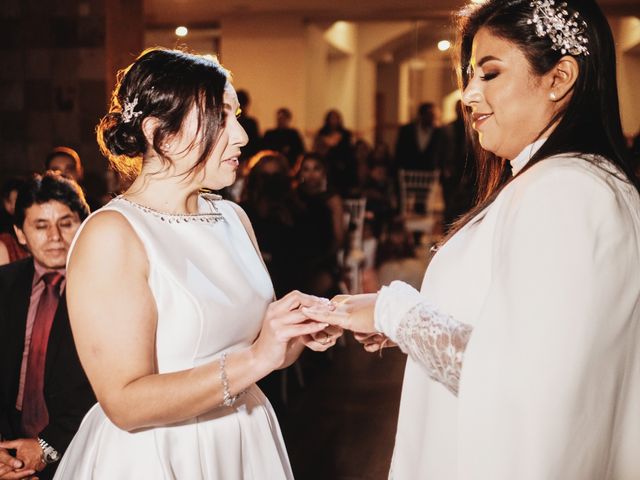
(205, 217)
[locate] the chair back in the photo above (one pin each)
(421, 203)
(355, 209)
(353, 259)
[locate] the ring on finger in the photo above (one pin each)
(325, 339)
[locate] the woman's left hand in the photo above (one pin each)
(374, 342)
(352, 312)
(324, 339)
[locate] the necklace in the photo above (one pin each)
(206, 217)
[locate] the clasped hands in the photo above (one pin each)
(355, 313)
(26, 463)
(299, 319)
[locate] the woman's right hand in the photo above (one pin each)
(283, 322)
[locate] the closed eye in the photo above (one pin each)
(489, 76)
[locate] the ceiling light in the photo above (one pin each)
(182, 31)
(444, 45)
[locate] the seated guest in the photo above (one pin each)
(10, 249)
(8, 194)
(270, 203)
(320, 226)
(380, 193)
(66, 161)
(283, 138)
(44, 393)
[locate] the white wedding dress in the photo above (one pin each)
(211, 291)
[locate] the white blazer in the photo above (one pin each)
(549, 278)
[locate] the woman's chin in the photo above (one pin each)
(219, 183)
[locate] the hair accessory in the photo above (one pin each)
(128, 110)
(565, 29)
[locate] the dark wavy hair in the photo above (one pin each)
(164, 84)
(49, 187)
(590, 122)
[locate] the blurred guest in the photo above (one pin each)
(44, 393)
(333, 143)
(320, 228)
(379, 191)
(381, 153)
(250, 125)
(10, 249)
(420, 144)
(9, 193)
(66, 161)
(396, 258)
(268, 200)
(458, 170)
(283, 138)
(361, 153)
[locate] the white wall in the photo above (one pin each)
(626, 31)
(267, 58)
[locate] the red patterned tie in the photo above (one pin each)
(34, 409)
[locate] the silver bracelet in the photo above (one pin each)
(227, 399)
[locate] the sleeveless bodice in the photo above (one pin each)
(210, 287)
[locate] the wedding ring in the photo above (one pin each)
(326, 339)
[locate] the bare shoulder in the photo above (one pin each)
(108, 236)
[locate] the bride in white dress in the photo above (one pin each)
(169, 301)
(524, 342)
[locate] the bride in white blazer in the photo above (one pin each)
(524, 342)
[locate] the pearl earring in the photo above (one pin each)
(552, 96)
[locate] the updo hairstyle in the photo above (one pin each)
(164, 84)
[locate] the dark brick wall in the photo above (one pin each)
(54, 81)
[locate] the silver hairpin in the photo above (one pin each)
(128, 110)
(565, 29)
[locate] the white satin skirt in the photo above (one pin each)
(240, 442)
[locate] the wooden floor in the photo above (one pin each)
(342, 425)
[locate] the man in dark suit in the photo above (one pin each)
(44, 393)
(420, 145)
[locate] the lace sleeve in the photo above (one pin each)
(435, 340)
(426, 334)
